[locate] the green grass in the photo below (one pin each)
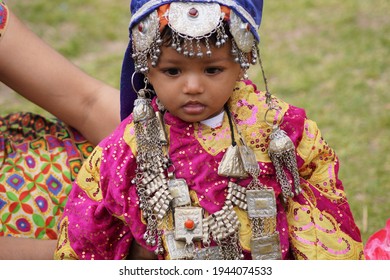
(331, 57)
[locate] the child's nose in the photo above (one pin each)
(194, 85)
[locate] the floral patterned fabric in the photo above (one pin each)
(39, 159)
(3, 18)
(103, 217)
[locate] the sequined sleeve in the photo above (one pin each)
(321, 225)
(3, 18)
(93, 225)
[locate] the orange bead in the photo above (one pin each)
(189, 224)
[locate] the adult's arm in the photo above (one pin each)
(18, 248)
(39, 73)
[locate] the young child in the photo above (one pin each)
(206, 166)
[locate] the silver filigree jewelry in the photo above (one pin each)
(237, 195)
(179, 191)
(194, 20)
(281, 149)
(150, 179)
(262, 212)
(241, 33)
(258, 200)
(142, 111)
(224, 226)
(188, 224)
(231, 164)
(192, 24)
(146, 42)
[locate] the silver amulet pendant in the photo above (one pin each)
(281, 150)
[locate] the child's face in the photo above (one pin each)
(195, 89)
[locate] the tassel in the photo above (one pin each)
(281, 150)
(152, 188)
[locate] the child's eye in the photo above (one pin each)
(213, 70)
(172, 71)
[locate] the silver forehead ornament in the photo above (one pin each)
(190, 23)
(194, 20)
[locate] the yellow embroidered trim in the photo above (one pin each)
(316, 235)
(64, 251)
(89, 176)
(320, 161)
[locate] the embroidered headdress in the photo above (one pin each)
(191, 22)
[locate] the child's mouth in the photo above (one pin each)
(193, 108)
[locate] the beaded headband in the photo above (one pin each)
(192, 22)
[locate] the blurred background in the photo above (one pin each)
(331, 57)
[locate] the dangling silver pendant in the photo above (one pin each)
(281, 150)
(231, 164)
(266, 247)
(179, 192)
(188, 224)
(261, 203)
(178, 250)
(265, 241)
(163, 135)
(248, 159)
(143, 109)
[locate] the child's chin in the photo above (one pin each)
(191, 118)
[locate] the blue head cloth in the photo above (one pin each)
(250, 11)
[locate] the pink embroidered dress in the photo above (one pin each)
(102, 217)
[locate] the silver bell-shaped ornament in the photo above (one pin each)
(281, 150)
(143, 109)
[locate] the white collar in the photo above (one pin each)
(215, 121)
